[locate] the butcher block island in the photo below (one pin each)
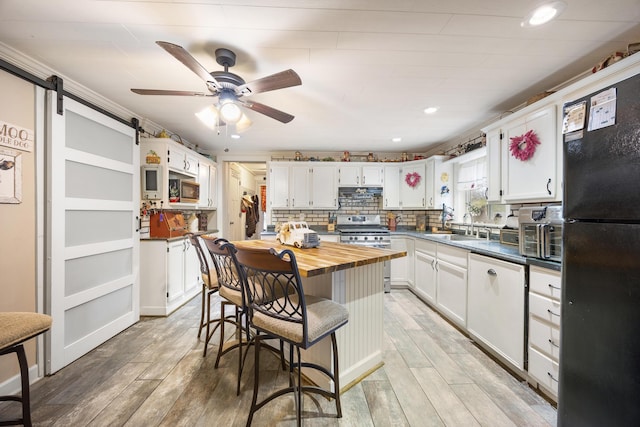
(353, 276)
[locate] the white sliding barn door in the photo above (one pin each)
(93, 193)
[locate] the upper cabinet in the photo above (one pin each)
(360, 175)
(405, 185)
(438, 178)
(301, 185)
(171, 167)
(519, 169)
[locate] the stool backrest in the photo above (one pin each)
(273, 285)
(205, 265)
(223, 255)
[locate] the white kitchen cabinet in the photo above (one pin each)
(182, 160)
(425, 270)
(536, 179)
(494, 155)
(496, 307)
(175, 162)
(545, 288)
(313, 186)
(356, 175)
(451, 283)
(438, 177)
(278, 185)
(402, 268)
(169, 275)
(397, 193)
(303, 185)
(391, 190)
(207, 180)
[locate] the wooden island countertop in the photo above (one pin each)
(327, 257)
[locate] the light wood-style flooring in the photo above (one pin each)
(153, 374)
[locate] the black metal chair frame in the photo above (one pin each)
(277, 274)
(25, 398)
(207, 293)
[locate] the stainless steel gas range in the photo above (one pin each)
(366, 230)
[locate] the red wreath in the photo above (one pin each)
(524, 146)
(412, 179)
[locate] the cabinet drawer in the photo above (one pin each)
(426, 246)
(544, 308)
(452, 255)
(545, 337)
(544, 370)
(545, 282)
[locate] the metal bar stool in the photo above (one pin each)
(291, 316)
(15, 329)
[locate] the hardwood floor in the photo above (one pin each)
(153, 374)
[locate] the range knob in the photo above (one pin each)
(366, 238)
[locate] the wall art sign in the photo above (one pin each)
(16, 137)
(10, 176)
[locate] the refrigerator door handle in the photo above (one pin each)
(545, 241)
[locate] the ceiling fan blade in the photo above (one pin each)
(169, 92)
(281, 116)
(279, 80)
(189, 61)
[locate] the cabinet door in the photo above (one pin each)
(391, 188)
(532, 179)
(349, 176)
(413, 197)
(372, 176)
(442, 184)
(430, 174)
(323, 187)
(402, 268)
(175, 158)
(213, 189)
(203, 180)
(175, 269)
(451, 292)
(279, 186)
(494, 183)
(191, 163)
(192, 275)
(425, 276)
(300, 187)
(496, 312)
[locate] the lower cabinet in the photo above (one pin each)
(496, 314)
(425, 270)
(169, 275)
(545, 287)
(402, 268)
(451, 283)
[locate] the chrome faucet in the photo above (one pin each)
(487, 230)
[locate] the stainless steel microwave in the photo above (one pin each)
(541, 232)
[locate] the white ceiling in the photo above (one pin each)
(368, 67)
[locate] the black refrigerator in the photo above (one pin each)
(599, 379)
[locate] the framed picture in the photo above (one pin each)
(10, 176)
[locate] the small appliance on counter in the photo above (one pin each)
(541, 232)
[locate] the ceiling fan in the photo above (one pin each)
(228, 87)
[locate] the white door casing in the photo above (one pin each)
(92, 242)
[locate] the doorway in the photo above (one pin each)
(242, 180)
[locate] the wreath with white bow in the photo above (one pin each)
(523, 147)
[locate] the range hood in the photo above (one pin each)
(360, 192)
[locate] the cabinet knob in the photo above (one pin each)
(491, 272)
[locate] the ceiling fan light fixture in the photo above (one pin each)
(209, 116)
(544, 13)
(230, 111)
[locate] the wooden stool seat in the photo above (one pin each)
(16, 328)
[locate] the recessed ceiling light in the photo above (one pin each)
(396, 139)
(543, 14)
(235, 136)
(430, 110)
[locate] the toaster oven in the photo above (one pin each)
(541, 232)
